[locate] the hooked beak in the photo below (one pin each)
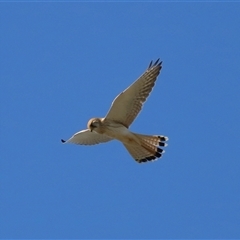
(91, 128)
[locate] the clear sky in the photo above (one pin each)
(64, 63)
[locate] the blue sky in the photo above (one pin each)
(64, 63)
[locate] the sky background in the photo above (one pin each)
(64, 63)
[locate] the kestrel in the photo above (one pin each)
(123, 111)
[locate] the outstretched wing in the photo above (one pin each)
(128, 104)
(86, 137)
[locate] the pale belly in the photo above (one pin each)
(122, 134)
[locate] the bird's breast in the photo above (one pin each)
(122, 134)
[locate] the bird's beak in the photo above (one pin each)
(91, 128)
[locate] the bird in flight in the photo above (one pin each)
(123, 111)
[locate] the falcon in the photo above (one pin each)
(123, 111)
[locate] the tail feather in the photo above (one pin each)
(148, 149)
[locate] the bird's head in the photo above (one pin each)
(93, 123)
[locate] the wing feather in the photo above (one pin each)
(128, 104)
(86, 137)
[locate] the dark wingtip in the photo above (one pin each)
(150, 64)
(157, 63)
(63, 141)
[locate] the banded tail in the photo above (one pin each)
(149, 149)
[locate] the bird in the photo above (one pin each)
(124, 109)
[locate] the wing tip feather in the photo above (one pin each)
(157, 63)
